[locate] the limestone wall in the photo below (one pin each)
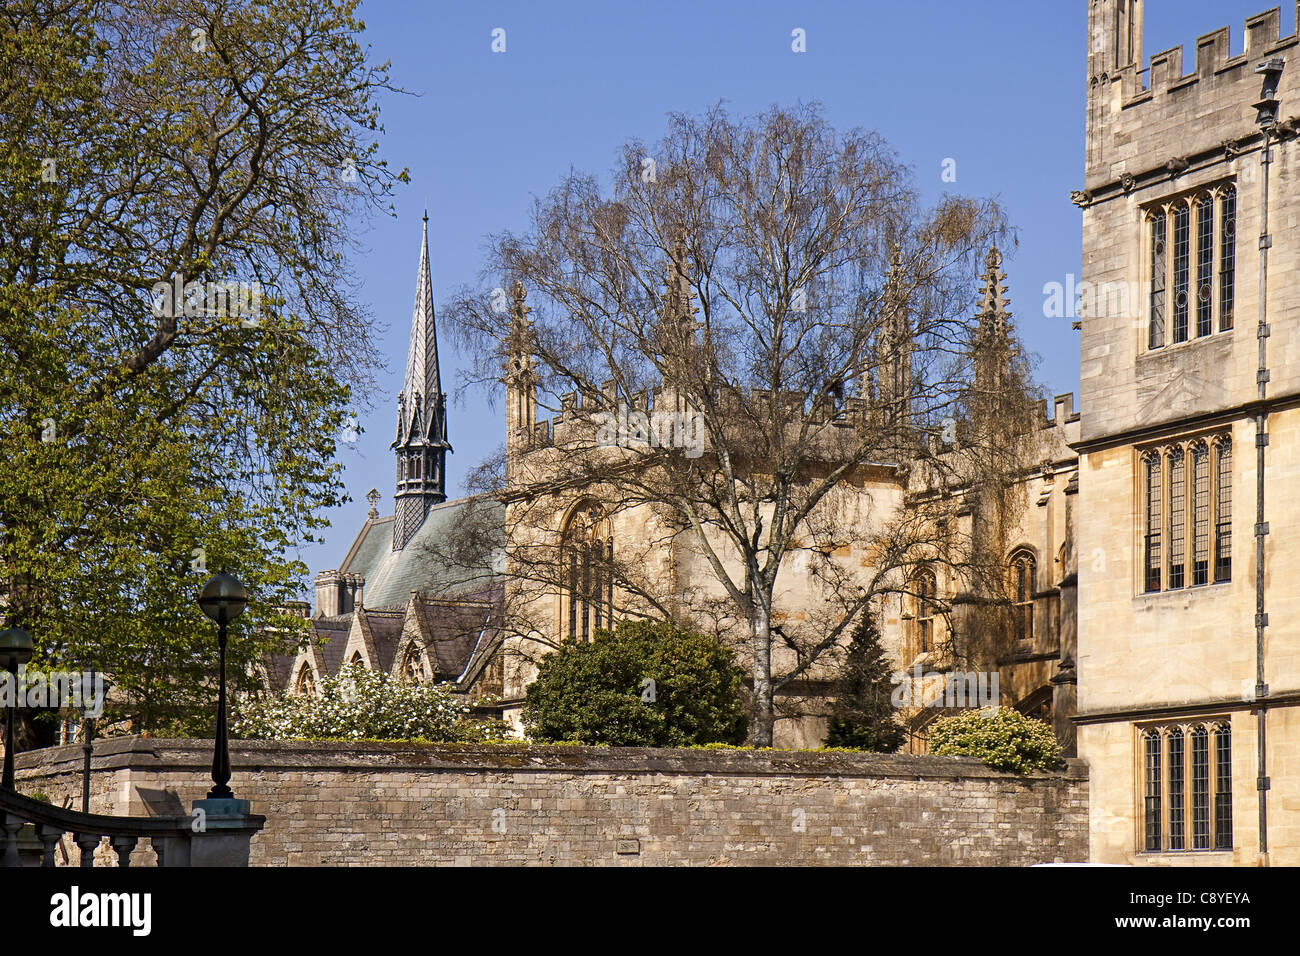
(336, 803)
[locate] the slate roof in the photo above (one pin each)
(391, 575)
(385, 630)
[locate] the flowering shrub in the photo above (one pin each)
(1005, 740)
(358, 704)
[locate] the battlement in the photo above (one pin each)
(1263, 37)
(1151, 125)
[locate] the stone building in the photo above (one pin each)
(1189, 665)
(401, 593)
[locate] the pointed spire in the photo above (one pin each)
(421, 444)
(994, 305)
(422, 386)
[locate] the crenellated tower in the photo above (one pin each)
(421, 445)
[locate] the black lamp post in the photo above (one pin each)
(15, 650)
(223, 599)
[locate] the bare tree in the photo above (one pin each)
(771, 387)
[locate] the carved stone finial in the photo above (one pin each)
(373, 497)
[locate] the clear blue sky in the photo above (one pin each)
(996, 85)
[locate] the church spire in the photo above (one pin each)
(421, 444)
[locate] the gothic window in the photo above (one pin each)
(413, 670)
(355, 660)
(304, 686)
(926, 588)
(1191, 511)
(1177, 822)
(1200, 514)
(1023, 576)
(1227, 255)
(1154, 522)
(1182, 258)
(1223, 788)
(1182, 245)
(1185, 764)
(1156, 337)
(1177, 518)
(1223, 522)
(1151, 796)
(587, 597)
(1204, 265)
(1200, 789)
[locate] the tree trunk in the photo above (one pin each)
(764, 716)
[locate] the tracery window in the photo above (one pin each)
(304, 685)
(1023, 575)
(587, 597)
(1187, 237)
(1187, 765)
(926, 590)
(1186, 485)
(413, 670)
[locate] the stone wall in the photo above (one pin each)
(335, 803)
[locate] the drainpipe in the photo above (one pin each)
(1267, 109)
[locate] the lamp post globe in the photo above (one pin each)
(223, 599)
(16, 647)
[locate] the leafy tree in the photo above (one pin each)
(1005, 740)
(151, 154)
(863, 715)
(782, 286)
(643, 684)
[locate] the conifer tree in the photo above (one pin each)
(863, 715)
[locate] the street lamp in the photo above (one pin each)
(223, 599)
(15, 650)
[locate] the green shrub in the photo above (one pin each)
(355, 704)
(1005, 740)
(643, 684)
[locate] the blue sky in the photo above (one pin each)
(997, 86)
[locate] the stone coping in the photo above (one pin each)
(254, 756)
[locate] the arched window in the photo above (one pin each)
(304, 685)
(413, 670)
(1191, 510)
(1187, 786)
(587, 595)
(1200, 514)
(1024, 570)
(1227, 256)
(356, 660)
(1183, 259)
(1156, 334)
(926, 586)
(1152, 783)
(1182, 253)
